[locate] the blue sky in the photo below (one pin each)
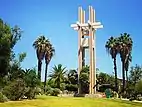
(54, 17)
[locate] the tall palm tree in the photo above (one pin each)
(112, 49)
(126, 69)
(125, 46)
(48, 56)
(127, 65)
(39, 45)
(58, 75)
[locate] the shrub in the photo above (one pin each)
(114, 94)
(3, 82)
(139, 87)
(15, 90)
(30, 93)
(31, 79)
(79, 95)
(53, 92)
(62, 86)
(136, 91)
(3, 98)
(71, 87)
(38, 90)
(48, 90)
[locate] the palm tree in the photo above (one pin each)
(127, 65)
(112, 49)
(58, 75)
(125, 46)
(48, 56)
(126, 69)
(39, 45)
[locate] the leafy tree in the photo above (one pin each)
(15, 67)
(54, 92)
(16, 35)
(49, 52)
(14, 81)
(3, 98)
(113, 50)
(73, 77)
(84, 80)
(134, 79)
(58, 74)
(21, 57)
(139, 87)
(135, 74)
(40, 45)
(31, 79)
(15, 90)
(104, 78)
(32, 83)
(125, 48)
(51, 82)
(105, 81)
(3, 82)
(8, 38)
(72, 80)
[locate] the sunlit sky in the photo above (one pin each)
(53, 19)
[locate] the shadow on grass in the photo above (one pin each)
(127, 102)
(79, 95)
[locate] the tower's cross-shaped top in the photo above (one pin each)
(90, 23)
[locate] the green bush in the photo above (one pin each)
(138, 87)
(79, 95)
(71, 87)
(38, 90)
(31, 79)
(53, 92)
(3, 98)
(48, 90)
(62, 86)
(3, 82)
(15, 90)
(30, 93)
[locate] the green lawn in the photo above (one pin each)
(44, 101)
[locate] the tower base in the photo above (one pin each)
(89, 95)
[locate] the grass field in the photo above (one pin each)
(44, 101)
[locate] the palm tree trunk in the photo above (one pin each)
(45, 79)
(58, 83)
(115, 70)
(127, 79)
(127, 76)
(123, 74)
(127, 82)
(39, 69)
